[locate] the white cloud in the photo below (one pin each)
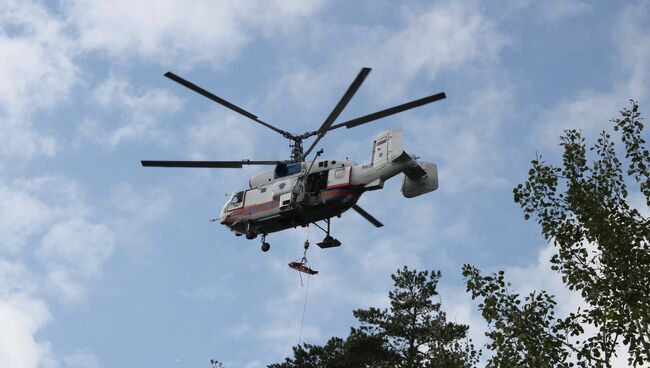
(464, 144)
(224, 136)
(589, 113)
(20, 140)
(81, 360)
(133, 210)
(148, 206)
(632, 35)
(15, 279)
(21, 216)
(446, 37)
(562, 9)
(591, 110)
(45, 72)
(51, 211)
(29, 206)
(180, 32)
(73, 253)
(37, 72)
(140, 113)
(546, 11)
(219, 291)
(21, 317)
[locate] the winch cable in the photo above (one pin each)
(304, 307)
(304, 311)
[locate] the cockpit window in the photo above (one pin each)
(237, 198)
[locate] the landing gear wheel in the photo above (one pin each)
(250, 232)
(265, 246)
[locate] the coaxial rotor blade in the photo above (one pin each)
(223, 102)
(338, 108)
(367, 216)
(354, 87)
(390, 111)
(207, 164)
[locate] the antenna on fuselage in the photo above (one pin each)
(318, 153)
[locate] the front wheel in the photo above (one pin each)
(266, 247)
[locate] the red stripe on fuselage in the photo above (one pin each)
(247, 211)
(250, 210)
(339, 185)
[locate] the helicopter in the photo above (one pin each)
(301, 191)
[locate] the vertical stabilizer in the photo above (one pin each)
(387, 147)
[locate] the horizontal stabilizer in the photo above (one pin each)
(415, 184)
(414, 172)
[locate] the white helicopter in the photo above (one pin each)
(298, 191)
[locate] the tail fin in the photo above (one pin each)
(419, 177)
(387, 147)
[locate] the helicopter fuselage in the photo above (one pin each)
(295, 200)
(318, 190)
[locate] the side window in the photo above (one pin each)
(339, 173)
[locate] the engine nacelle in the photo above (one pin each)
(413, 187)
(281, 170)
(262, 179)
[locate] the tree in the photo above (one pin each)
(522, 331)
(602, 252)
(413, 332)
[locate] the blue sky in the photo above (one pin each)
(104, 263)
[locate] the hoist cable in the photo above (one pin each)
(304, 311)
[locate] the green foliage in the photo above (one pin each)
(358, 350)
(523, 332)
(413, 332)
(602, 252)
(314, 356)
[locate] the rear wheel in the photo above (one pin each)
(251, 235)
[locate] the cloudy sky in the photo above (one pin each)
(104, 263)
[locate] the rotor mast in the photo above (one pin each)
(296, 149)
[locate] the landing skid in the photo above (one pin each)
(329, 241)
